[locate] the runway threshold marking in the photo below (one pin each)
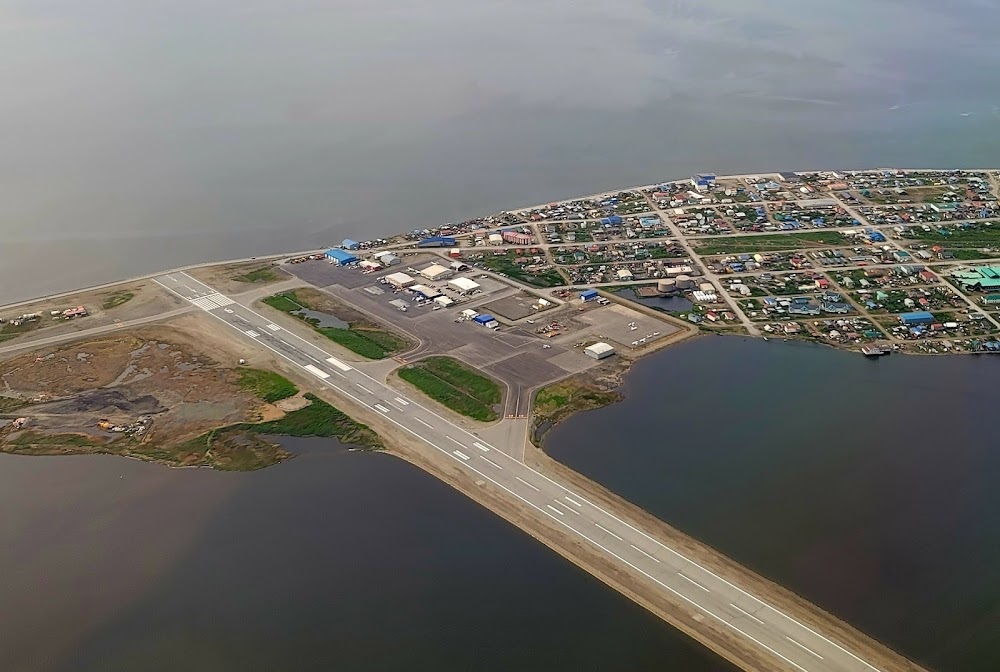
(653, 558)
(527, 484)
(319, 373)
(690, 580)
(804, 647)
(381, 408)
(401, 401)
(601, 527)
(746, 613)
(465, 458)
(274, 327)
(253, 334)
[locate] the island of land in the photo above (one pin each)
(457, 347)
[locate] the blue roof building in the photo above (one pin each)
(341, 257)
(349, 244)
(920, 317)
(438, 241)
(485, 318)
(588, 295)
(612, 220)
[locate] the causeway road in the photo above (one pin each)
(790, 644)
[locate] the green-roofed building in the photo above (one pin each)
(978, 278)
(991, 299)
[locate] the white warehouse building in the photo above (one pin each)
(399, 280)
(599, 350)
(436, 272)
(463, 285)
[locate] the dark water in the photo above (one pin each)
(323, 319)
(332, 561)
(154, 134)
(869, 487)
(667, 303)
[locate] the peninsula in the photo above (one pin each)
(456, 347)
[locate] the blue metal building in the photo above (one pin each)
(349, 244)
(341, 257)
(438, 241)
(589, 295)
(919, 317)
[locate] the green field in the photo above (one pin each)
(262, 274)
(364, 339)
(560, 400)
(504, 263)
(117, 299)
(266, 385)
(954, 238)
(768, 243)
(456, 386)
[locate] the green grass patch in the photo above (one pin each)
(454, 385)
(11, 404)
(266, 385)
(31, 439)
(319, 419)
(116, 299)
(768, 243)
(363, 339)
(504, 263)
(557, 402)
(284, 302)
(262, 274)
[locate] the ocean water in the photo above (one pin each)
(149, 135)
(866, 486)
(333, 560)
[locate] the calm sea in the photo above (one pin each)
(332, 561)
(868, 487)
(154, 134)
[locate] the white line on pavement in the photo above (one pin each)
(572, 501)
(491, 462)
(455, 441)
(555, 509)
(339, 364)
(598, 526)
(746, 613)
(653, 558)
(690, 580)
(319, 373)
(364, 388)
(804, 647)
(381, 408)
(461, 455)
(527, 484)
(480, 446)
(401, 401)
(423, 423)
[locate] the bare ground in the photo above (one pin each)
(224, 278)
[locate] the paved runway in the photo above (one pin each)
(790, 643)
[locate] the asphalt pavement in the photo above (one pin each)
(790, 643)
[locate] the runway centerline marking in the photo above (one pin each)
(690, 580)
(653, 558)
(364, 388)
(425, 424)
(573, 501)
(491, 462)
(527, 484)
(803, 647)
(600, 527)
(455, 441)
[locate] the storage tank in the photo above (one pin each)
(666, 286)
(684, 282)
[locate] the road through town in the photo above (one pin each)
(789, 643)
